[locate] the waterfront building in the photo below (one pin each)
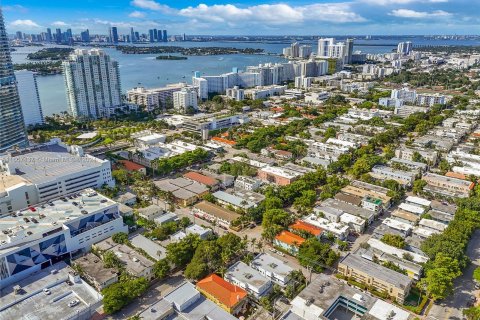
(93, 84)
(29, 98)
(185, 99)
(12, 127)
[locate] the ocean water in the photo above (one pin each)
(145, 70)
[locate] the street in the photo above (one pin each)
(464, 287)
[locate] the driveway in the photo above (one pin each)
(464, 287)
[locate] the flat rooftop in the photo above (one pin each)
(36, 220)
(153, 249)
(8, 181)
(48, 162)
(325, 290)
(377, 271)
(246, 274)
(271, 264)
(32, 303)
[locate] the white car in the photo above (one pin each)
(73, 303)
(47, 291)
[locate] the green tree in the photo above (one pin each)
(472, 313)
(161, 268)
(316, 254)
(476, 274)
(181, 253)
(119, 294)
(393, 240)
(111, 260)
(120, 237)
(418, 186)
(274, 221)
(207, 258)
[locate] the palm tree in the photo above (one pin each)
(253, 241)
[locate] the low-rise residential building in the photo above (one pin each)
(272, 268)
(405, 216)
(329, 298)
(278, 175)
(234, 201)
(92, 268)
(408, 164)
(393, 224)
(229, 297)
(408, 154)
(418, 201)
(288, 241)
(190, 304)
(185, 191)
(365, 214)
(202, 232)
(339, 230)
(212, 212)
(150, 212)
(153, 249)
(412, 208)
(383, 279)
(399, 253)
(432, 225)
(211, 183)
(446, 186)
(386, 173)
(247, 183)
(134, 262)
(251, 280)
(302, 226)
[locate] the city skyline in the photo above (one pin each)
(268, 17)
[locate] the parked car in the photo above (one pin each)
(73, 303)
(47, 291)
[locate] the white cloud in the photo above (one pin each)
(273, 14)
(15, 8)
(137, 14)
(151, 5)
(391, 2)
(407, 13)
(25, 23)
(59, 24)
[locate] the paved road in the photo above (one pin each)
(464, 288)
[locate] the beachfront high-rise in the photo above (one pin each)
(29, 97)
(93, 85)
(12, 128)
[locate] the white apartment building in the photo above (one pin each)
(41, 236)
(236, 93)
(154, 98)
(29, 98)
(247, 183)
(185, 99)
(92, 80)
(46, 172)
(404, 48)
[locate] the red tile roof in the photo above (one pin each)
(195, 176)
(457, 175)
(289, 238)
(226, 293)
(222, 140)
(301, 225)
(131, 166)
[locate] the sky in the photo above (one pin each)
(248, 17)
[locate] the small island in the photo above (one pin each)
(170, 57)
(42, 68)
(50, 54)
(193, 51)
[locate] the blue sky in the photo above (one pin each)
(248, 17)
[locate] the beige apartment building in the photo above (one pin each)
(380, 278)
